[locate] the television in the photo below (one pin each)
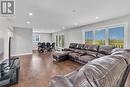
(9, 51)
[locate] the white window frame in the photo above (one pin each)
(125, 25)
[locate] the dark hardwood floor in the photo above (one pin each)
(38, 69)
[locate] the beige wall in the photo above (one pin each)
(76, 35)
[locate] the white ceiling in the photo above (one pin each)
(55, 15)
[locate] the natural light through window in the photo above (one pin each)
(116, 37)
(100, 37)
(60, 40)
(113, 36)
(89, 37)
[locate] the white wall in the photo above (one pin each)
(5, 27)
(76, 35)
(44, 37)
(70, 36)
(1, 45)
(22, 41)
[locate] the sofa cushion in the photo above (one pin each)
(92, 53)
(93, 47)
(68, 49)
(71, 76)
(86, 58)
(101, 72)
(100, 55)
(106, 50)
(81, 80)
(125, 53)
(117, 49)
(80, 51)
(80, 46)
(60, 81)
(73, 45)
(74, 55)
(85, 47)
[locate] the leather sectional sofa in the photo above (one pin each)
(107, 71)
(83, 53)
(9, 75)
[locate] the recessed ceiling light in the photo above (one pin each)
(28, 22)
(97, 17)
(30, 14)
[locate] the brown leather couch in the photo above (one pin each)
(83, 53)
(107, 71)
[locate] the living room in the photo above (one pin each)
(65, 43)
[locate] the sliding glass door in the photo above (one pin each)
(60, 40)
(57, 40)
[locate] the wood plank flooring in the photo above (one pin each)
(38, 69)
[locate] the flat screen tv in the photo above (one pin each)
(9, 51)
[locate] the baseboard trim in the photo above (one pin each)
(23, 54)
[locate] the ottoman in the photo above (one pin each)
(60, 55)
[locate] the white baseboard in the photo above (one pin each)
(22, 54)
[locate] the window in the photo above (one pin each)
(116, 37)
(60, 40)
(89, 37)
(36, 38)
(100, 37)
(113, 36)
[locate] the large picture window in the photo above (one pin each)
(89, 37)
(116, 37)
(100, 37)
(113, 36)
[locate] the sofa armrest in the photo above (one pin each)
(60, 81)
(68, 49)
